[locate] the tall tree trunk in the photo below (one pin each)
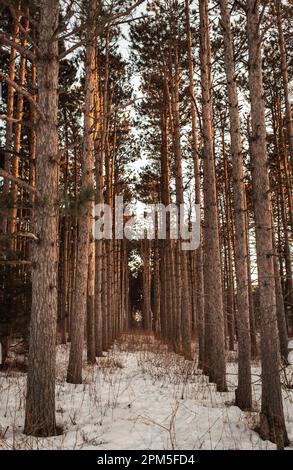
(181, 258)
(199, 306)
(91, 323)
(252, 321)
(156, 279)
(288, 294)
(147, 314)
(105, 318)
(165, 271)
(243, 395)
(74, 373)
(9, 113)
(229, 249)
(281, 316)
(214, 317)
(284, 68)
(40, 400)
(272, 423)
(99, 243)
(17, 142)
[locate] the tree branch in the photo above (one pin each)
(23, 92)
(22, 184)
(23, 30)
(3, 117)
(25, 52)
(106, 22)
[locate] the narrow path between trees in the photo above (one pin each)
(139, 396)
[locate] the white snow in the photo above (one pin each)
(136, 398)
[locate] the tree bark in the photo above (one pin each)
(86, 197)
(199, 293)
(181, 258)
(214, 317)
(272, 423)
(243, 395)
(40, 400)
(284, 68)
(17, 142)
(9, 113)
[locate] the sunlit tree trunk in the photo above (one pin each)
(74, 373)
(9, 113)
(13, 226)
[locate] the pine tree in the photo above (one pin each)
(40, 400)
(214, 319)
(86, 197)
(272, 423)
(243, 396)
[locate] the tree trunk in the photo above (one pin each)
(74, 373)
(17, 143)
(284, 68)
(99, 243)
(9, 113)
(244, 395)
(281, 316)
(199, 294)
(272, 423)
(156, 280)
(91, 323)
(214, 317)
(40, 400)
(252, 322)
(147, 314)
(181, 258)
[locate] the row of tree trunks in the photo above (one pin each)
(205, 293)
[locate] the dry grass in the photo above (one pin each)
(85, 411)
(110, 363)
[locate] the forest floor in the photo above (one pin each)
(140, 396)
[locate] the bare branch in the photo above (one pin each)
(23, 92)
(105, 22)
(130, 20)
(22, 29)
(3, 117)
(66, 149)
(262, 14)
(25, 52)
(71, 49)
(29, 235)
(22, 184)
(128, 11)
(15, 262)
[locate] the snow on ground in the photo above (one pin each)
(136, 398)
